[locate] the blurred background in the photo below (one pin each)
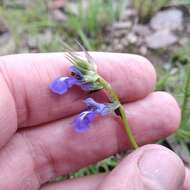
(156, 29)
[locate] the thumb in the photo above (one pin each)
(151, 167)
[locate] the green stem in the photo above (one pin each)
(185, 99)
(114, 98)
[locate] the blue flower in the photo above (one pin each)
(76, 72)
(100, 108)
(62, 84)
(82, 122)
(83, 79)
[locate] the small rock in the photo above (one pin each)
(4, 38)
(56, 4)
(125, 42)
(58, 15)
(183, 41)
(73, 7)
(140, 41)
(7, 44)
(161, 39)
(32, 42)
(188, 28)
(115, 42)
(118, 47)
(171, 19)
(3, 26)
(121, 25)
(141, 30)
(143, 50)
(132, 38)
(128, 13)
(45, 37)
(119, 33)
(40, 39)
(23, 3)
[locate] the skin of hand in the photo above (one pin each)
(38, 143)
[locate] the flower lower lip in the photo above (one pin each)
(82, 122)
(62, 84)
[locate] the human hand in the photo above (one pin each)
(38, 142)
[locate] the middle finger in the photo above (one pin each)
(38, 154)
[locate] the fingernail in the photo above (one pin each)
(161, 170)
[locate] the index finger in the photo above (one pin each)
(28, 76)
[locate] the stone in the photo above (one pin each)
(121, 25)
(32, 42)
(132, 38)
(188, 28)
(161, 39)
(119, 33)
(184, 41)
(59, 15)
(141, 30)
(74, 8)
(56, 4)
(170, 19)
(128, 14)
(143, 50)
(7, 44)
(124, 41)
(22, 3)
(3, 26)
(40, 39)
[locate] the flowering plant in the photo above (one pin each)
(84, 74)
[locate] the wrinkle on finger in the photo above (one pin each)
(8, 115)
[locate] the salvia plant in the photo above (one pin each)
(184, 130)
(84, 74)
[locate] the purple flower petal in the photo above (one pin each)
(77, 73)
(62, 84)
(91, 102)
(83, 121)
(102, 109)
(86, 86)
(71, 81)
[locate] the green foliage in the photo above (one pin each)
(174, 77)
(26, 22)
(163, 77)
(178, 73)
(180, 2)
(91, 20)
(185, 114)
(32, 20)
(182, 54)
(182, 61)
(146, 8)
(101, 167)
(182, 136)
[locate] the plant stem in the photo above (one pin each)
(114, 98)
(185, 99)
(185, 134)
